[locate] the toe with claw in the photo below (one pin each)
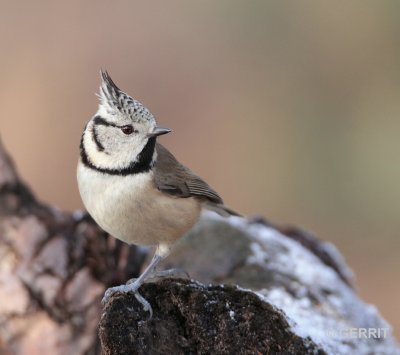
(131, 287)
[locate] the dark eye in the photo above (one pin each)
(128, 129)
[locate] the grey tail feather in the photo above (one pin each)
(222, 210)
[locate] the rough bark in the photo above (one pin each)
(259, 289)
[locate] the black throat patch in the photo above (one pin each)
(141, 165)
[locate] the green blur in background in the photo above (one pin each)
(289, 109)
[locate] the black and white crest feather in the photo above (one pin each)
(115, 102)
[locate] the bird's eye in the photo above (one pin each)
(128, 129)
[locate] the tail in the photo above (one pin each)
(221, 209)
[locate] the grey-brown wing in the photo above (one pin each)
(175, 179)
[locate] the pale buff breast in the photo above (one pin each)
(131, 209)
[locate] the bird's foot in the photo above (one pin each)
(131, 287)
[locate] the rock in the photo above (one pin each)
(191, 318)
(266, 293)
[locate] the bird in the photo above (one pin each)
(132, 186)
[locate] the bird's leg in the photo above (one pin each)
(134, 286)
(163, 251)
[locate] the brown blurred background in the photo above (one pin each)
(288, 109)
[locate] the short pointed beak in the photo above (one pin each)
(158, 131)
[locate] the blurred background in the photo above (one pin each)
(288, 109)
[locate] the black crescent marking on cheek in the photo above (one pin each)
(95, 138)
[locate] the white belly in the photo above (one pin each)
(131, 208)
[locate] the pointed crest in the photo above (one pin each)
(108, 89)
(115, 101)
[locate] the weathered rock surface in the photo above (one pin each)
(296, 288)
(191, 318)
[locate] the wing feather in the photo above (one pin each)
(173, 178)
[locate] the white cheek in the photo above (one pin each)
(119, 151)
(128, 148)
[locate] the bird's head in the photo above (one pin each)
(121, 135)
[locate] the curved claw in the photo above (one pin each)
(146, 305)
(132, 287)
(110, 292)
